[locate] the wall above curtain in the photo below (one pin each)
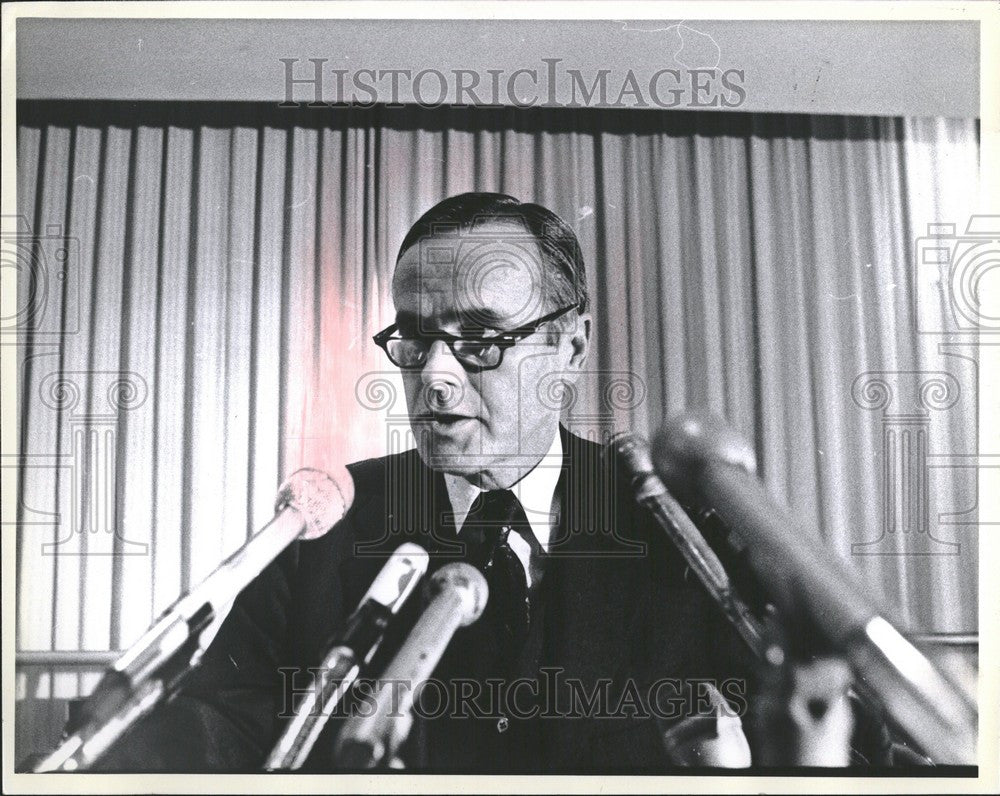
(884, 67)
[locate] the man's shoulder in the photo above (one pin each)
(574, 443)
(371, 475)
(395, 496)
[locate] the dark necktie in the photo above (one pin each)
(493, 517)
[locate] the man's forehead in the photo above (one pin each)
(490, 317)
(449, 251)
(491, 272)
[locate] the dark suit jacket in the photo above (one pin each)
(620, 608)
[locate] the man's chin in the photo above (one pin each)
(488, 471)
(448, 458)
(445, 452)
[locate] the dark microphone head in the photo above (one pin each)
(690, 441)
(633, 452)
(468, 583)
(321, 498)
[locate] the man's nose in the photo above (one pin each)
(443, 376)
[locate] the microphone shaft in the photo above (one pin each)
(368, 741)
(134, 684)
(348, 652)
(82, 750)
(337, 674)
(333, 679)
(420, 653)
(787, 554)
(217, 590)
(670, 515)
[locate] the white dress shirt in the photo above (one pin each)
(535, 491)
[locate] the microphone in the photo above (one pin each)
(308, 505)
(353, 648)
(710, 737)
(633, 454)
(699, 457)
(458, 595)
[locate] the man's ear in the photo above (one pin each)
(579, 340)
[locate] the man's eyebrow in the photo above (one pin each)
(404, 318)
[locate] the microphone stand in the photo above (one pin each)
(458, 594)
(650, 492)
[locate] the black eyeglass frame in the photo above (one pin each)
(503, 341)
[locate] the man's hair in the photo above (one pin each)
(566, 280)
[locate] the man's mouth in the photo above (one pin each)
(442, 419)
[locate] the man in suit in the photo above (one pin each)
(595, 637)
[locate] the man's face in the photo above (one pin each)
(494, 425)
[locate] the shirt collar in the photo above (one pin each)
(535, 491)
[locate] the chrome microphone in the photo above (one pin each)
(308, 505)
(458, 594)
(349, 651)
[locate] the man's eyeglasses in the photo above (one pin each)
(475, 352)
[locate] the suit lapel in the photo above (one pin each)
(595, 585)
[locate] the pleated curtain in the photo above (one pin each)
(208, 328)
